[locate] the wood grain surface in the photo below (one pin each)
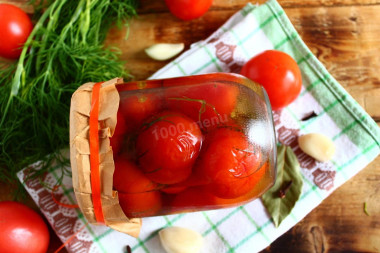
(345, 36)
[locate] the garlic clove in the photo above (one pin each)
(164, 51)
(180, 240)
(317, 146)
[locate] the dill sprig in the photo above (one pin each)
(64, 51)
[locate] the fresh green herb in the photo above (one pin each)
(282, 197)
(365, 209)
(64, 51)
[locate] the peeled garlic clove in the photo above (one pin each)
(180, 240)
(164, 51)
(317, 146)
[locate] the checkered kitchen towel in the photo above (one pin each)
(246, 228)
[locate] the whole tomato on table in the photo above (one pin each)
(188, 9)
(278, 73)
(22, 229)
(15, 28)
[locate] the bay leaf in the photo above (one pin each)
(282, 197)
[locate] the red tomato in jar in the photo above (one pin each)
(139, 85)
(168, 147)
(201, 198)
(243, 199)
(15, 27)
(116, 143)
(192, 199)
(22, 229)
(121, 125)
(195, 179)
(210, 105)
(188, 9)
(173, 189)
(128, 178)
(138, 107)
(230, 162)
(117, 140)
(144, 204)
(278, 73)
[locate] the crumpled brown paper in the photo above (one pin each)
(114, 216)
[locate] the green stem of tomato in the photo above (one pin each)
(203, 105)
(162, 118)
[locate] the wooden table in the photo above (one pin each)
(345, 36)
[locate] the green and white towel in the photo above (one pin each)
(247, 228)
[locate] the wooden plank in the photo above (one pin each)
(154, 6)
(346, 41)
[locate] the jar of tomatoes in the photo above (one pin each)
(192, 143)
(159, 147)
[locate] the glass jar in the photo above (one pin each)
(192, 143)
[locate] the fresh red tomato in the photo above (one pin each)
(140, 204)
(137, 107)
(278, 73)
(128, 178)
(22, 229)
(210, 105)
(168, 147)
(15, 27)
(188, 9)
(230, 162)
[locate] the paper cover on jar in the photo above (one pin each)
(81, 106)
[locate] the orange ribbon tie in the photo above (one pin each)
(94, 154)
